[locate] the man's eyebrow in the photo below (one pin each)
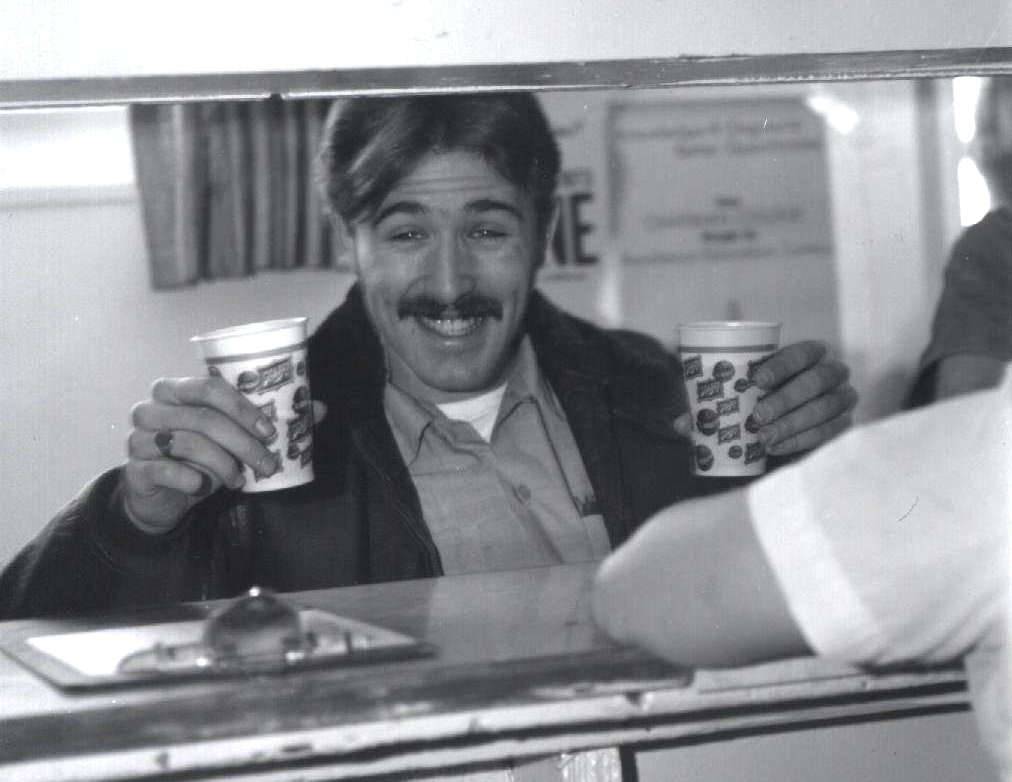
(398, 207)
(479, 205)
(494, 204)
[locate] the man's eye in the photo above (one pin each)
(406, 235)
(488, 233)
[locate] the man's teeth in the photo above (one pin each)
(452, 327)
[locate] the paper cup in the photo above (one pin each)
(719, 359)
(266, 361)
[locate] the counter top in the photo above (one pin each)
(518, 670)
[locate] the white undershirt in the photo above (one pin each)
(480, 411)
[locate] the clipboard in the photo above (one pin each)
(256, 634)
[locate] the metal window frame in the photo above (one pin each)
(598, 74)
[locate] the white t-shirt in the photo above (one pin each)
(479, 411)
(891, 544)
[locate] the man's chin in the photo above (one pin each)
(461, 382)
(461, 386)
(453, 368)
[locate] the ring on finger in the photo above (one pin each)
(163, 442)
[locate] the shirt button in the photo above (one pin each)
(524, 494)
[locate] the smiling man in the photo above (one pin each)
(471, 425)
(447, 266)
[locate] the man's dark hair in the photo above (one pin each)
(370, 144)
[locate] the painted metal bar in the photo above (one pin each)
(603, 74)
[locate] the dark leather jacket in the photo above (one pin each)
(360, 521)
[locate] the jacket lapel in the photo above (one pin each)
(348, 369)
(614, 387)
(575, 371)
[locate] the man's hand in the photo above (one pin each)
(189, 439)
(808, 399)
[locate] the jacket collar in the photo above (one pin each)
(346, 362)
(639, 378)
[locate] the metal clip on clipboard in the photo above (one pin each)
(260, 633)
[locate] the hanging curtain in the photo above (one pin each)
(228, 189)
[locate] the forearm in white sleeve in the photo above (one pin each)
(891, 542)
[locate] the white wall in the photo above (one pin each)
(886, 267)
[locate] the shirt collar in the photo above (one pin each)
(527, 382)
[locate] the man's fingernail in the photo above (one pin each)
(760, 414)
(264, 427)
(763, 378)
(267, 466)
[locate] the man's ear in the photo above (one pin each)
(344, 242)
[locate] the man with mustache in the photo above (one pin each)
(470, 424)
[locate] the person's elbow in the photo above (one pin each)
(692, 586)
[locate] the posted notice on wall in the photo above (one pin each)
(711, 180)
(577, 245)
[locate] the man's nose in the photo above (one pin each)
(451, 270)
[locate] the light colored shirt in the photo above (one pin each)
(520, 499)
(502, 486)
(891, 544)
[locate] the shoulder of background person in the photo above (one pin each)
(987, 242)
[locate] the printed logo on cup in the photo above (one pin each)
(719, 360)
(266, 361)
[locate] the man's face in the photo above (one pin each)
(446, 266)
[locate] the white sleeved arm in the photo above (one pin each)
(891, 543)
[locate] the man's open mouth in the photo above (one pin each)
(460, 318)
(452, 327)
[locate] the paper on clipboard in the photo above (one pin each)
(159, 651)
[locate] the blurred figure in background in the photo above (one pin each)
(971, 336)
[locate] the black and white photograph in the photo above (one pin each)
(503, 391)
